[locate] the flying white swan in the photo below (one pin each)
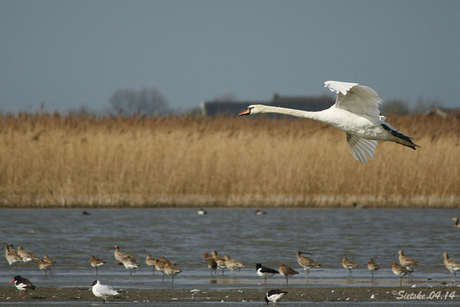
(356, 112)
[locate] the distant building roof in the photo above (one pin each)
(232, 108)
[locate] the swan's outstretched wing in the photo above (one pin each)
(360, 148)
(355, 98)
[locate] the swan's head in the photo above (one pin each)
(253, 109)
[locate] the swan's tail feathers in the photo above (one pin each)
(401, 138)
(360, 148)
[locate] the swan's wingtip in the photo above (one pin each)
(339, 87)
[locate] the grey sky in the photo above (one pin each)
(69, 53)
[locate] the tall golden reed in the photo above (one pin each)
(54, 160)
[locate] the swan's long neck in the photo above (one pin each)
(292, 112)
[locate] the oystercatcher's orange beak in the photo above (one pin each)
(12, 281)
(247, 112)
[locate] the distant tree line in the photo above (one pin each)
(150, 101)
(142, 102)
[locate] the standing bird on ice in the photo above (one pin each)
(103, 291)
(274, 296)
(356, 112)
(22, 284)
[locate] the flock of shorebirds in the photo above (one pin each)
(215, 263)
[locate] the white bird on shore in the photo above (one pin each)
(274, 296)
(356, 112)
(103, 291)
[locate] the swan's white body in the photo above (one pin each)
(356, 112)
(103, 291)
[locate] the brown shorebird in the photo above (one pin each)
(95, 262)
(219, 260)
(347, 264)
(456, 222)
(11, 255)
(165, 260)
(207, 257)
(212, 265)
(44, 265)
(233, 264)
(400, 271)
(150, 261)
(306, 263)
(372, 266)
(22, 284)
(287, 271)
(407, 262)
(49, 259)
(26, 255)
(171, 270)
(159, 266)
(130, 264)
(452, 265)
(119, 256)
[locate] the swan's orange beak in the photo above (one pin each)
(247, 112)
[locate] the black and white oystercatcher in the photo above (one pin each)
(22, 284)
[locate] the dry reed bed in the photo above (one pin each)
(223, 161)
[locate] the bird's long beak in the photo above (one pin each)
(246, 112)
(12, 281)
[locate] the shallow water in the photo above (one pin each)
(183, 236)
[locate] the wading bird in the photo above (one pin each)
(11, 255)
(22, 284)
(120, 255)
(452, 265)
(407, 262)
(356, 112)
(233, 264)
(130, 264)
(95, 262)
(287, 271)
(400, 271)
(347, 264)
(265, 272)
(26, 255)
(306, 263)
(44, 265)
(372, 266)
(171, 270)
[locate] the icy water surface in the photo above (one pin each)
(183, 236)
